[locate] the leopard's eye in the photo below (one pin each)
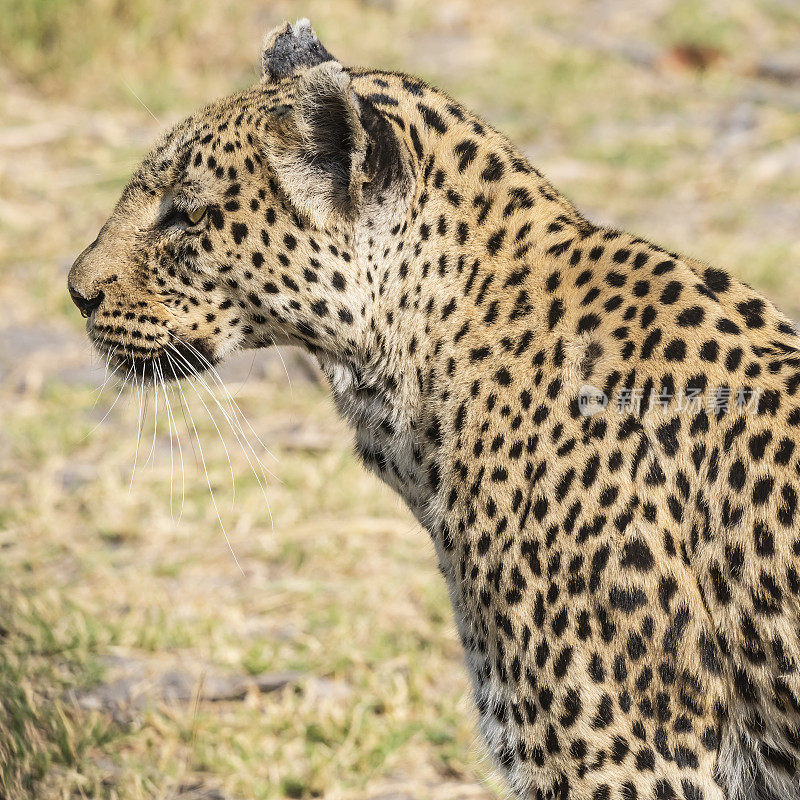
(196, 214)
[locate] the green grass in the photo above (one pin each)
(48, 647)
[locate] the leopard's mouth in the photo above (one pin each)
(167, 361)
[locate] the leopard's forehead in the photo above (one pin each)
(220, 129)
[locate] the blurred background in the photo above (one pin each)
(136, 659)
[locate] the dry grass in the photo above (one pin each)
(679, 122)
(341, 592)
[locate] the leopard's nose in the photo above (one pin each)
(85, 304)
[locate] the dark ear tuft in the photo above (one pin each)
(289, 49)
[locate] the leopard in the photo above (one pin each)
(598, 434)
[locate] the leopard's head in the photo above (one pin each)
(248, 223)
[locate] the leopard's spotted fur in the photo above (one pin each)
(626, 585)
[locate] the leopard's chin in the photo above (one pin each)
(173, 361)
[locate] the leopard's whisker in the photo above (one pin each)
(141, 394)
(219, 433)
(141, 102)
(232, 419)
(105, 352)
(208, 481)
(175, 382)
(285, 369)
(173, 428)
(155, 420)
(178, 438)
(159, 376)
(108, 375)
(144, 387)
(111, 407)
(231, 401)
(239, 439)
(243, 383)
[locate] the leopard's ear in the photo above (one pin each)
(318, 146)
(289, 49)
